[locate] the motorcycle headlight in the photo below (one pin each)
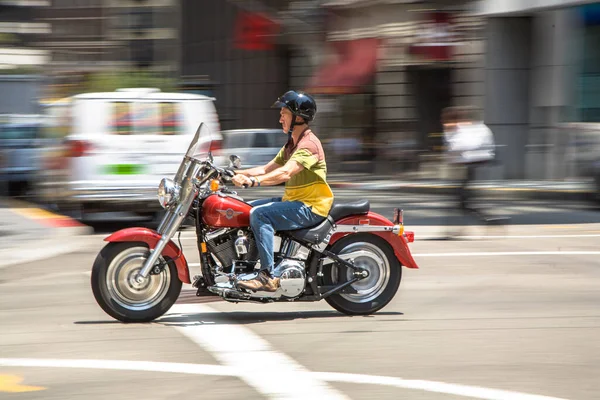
(168, 192)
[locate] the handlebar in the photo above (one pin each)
(225, 173)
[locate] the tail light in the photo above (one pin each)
(410, 236)
(216, 146)
(78, 148)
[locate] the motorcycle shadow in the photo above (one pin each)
(247, 318)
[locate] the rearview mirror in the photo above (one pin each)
(235, 161)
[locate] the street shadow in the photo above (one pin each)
(247, 318)
(107, 322)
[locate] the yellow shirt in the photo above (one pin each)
(310, 185)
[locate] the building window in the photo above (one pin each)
(142, 52)
(589, 80)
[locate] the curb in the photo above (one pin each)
(449, 189)
(58, 234)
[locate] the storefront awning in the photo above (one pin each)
(353, 69)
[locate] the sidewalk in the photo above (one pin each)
(517, 189)
(24, 226)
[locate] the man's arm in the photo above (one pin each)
(275, 177)
(265, 169)
(280, 175)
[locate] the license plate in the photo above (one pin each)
(125, 169)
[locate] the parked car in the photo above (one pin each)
(118, 146)
(20, 141)
(255, 147)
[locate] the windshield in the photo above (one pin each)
(201, 143)
(199, 149)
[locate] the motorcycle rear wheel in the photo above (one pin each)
(373, 292)
(117, 293)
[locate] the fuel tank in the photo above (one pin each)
(225, 212)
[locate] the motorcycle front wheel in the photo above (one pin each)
(117, 292)
(374, 292)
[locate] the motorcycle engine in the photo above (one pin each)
(233, 245)
(291, 276)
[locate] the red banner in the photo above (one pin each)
(255, 31)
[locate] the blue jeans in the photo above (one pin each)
(270, 215)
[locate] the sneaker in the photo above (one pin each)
(263, 282)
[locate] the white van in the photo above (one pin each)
(118, 146)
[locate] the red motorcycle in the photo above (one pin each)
(352, 259)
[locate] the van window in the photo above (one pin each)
(122, 118)
(172, 122)
(147, 118)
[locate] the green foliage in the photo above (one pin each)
(108, 82)
(21, 70)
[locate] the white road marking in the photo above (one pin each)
(509, 253)
(271, 373)
(512, 236)
(220, 370)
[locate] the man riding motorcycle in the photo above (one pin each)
(307, 198)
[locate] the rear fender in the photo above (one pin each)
(399, 243)
(151, 237)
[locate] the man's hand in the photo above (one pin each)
(241, 180)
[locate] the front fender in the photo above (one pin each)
(398, 243)
(151, 237)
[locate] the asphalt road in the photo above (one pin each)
(419, 209)
(507, 316)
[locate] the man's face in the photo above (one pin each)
(449, 126)
(285, 119)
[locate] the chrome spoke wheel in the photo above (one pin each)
(123, 287)
(375, 262)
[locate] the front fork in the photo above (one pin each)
(169, 225)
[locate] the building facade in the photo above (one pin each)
(541, 72)
(385, 71)
(19, 32)
(94, 36)
(233, 51)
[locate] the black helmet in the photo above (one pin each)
(299, 103)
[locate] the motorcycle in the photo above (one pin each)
(352, 260)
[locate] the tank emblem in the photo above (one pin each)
(229, 213)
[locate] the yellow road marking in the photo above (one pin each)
(29, 210)
(12, 384)
(36, 213)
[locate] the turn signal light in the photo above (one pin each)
(214, 185)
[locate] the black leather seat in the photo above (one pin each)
(314, 234)
(341, 210)
(338, 211)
